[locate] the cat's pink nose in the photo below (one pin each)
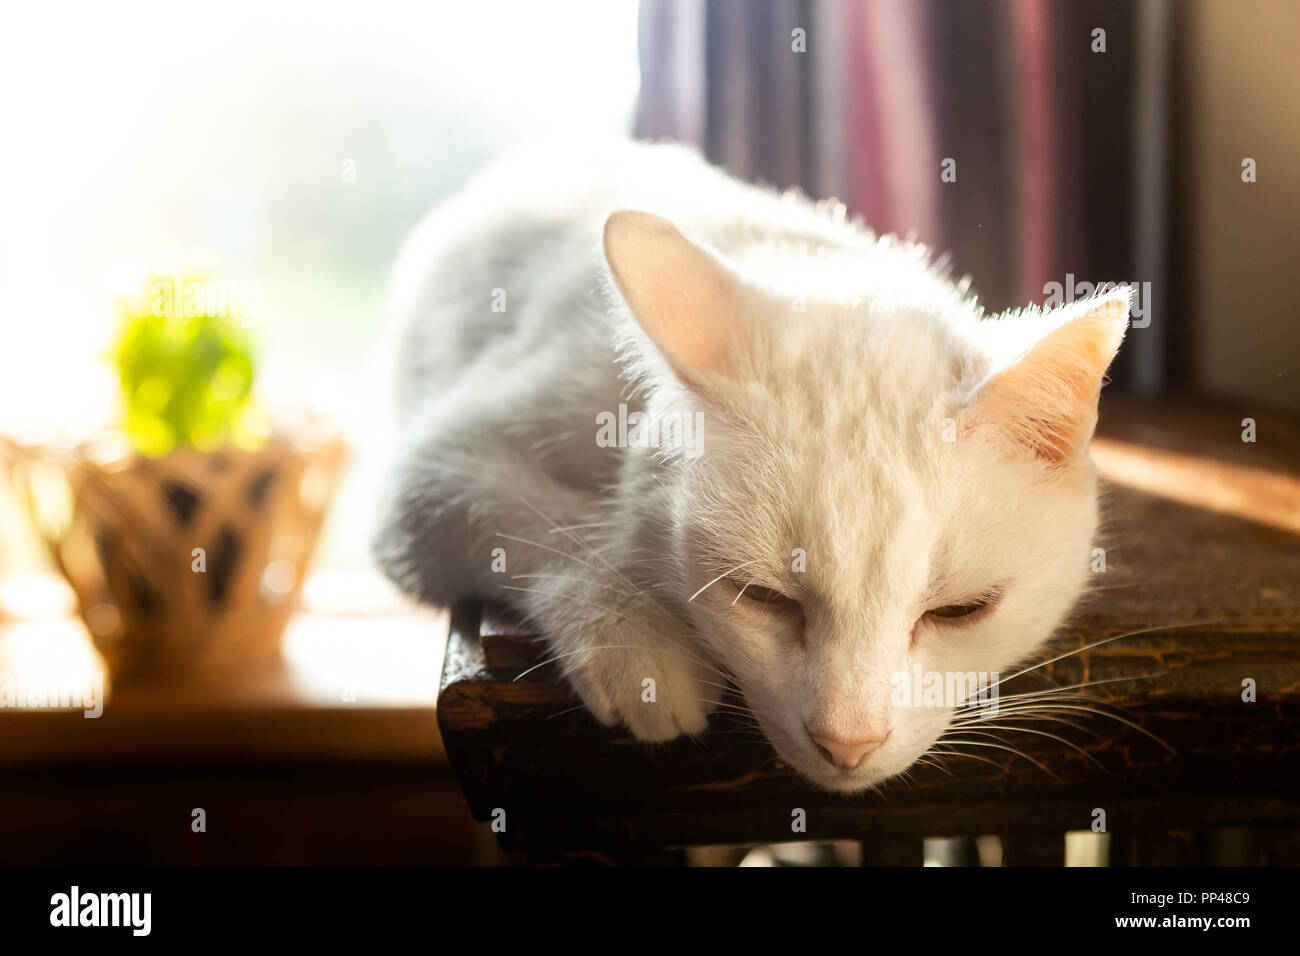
(847, 754)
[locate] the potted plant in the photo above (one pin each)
(185, 534)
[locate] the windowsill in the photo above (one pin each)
(356, 681)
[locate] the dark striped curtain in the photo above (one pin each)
(1060, 151)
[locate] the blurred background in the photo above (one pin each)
(287, 149)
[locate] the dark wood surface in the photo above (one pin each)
(1202, 540)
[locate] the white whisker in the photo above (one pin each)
(1104, 641)
(1013, 750)
(719, 578)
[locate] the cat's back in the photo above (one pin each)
(507, 271)
(542, 206)
(510, 264)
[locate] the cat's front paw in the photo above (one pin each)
(657, 693)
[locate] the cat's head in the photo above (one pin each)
(893, 500)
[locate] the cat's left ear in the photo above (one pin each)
(1045, 403)
(682, 295)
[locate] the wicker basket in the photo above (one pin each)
(191, 562)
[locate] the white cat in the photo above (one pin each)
(884, 482)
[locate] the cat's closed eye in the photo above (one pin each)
(972, 608)
(761, 595)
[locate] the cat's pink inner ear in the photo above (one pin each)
(1045, 404)
(682, 296)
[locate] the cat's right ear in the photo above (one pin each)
(1045, 403)
(683, 297)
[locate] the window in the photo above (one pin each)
(297, 143)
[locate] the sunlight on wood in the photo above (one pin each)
(1267, 497)
(357, 645)
(370, 662)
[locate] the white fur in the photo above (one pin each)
(825, 433)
